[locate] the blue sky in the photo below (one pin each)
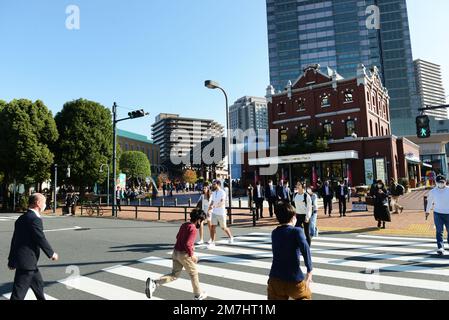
(156, 54)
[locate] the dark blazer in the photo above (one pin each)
(262, 193)
(27, 241)
(268, 194)
(345, 192)
(323, 192)
(288, 197)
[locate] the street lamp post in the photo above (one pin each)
(107, 185)
(131, 115)
(215, 85)
(55, 203)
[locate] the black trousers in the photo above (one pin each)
(259, 208)
(327, 202)
(271, 204)
(26, 279)
(301, 223)
(342, 205)
(119, 204)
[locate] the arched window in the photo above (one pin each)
(325, 101)
(302, 131)
(350, 127)
(327, 130)
(348, 96)
(301, 105)
(377, 130)
(382, 130)
(371, 128)
(283, 136)
(282, 108)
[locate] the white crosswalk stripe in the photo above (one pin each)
(360, 267)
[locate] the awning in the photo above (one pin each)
(427, 165)
(413, 160)
(305, 158)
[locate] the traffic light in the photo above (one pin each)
(423, 127)
(136, 114)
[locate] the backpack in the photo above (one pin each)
(400, 190)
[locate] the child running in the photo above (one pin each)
(183, 257)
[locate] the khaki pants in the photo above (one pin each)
(395, 204)
(182, 260)
(282, 290)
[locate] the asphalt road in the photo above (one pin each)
(108, 255)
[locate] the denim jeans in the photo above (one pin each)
(441, 220)
(312, 224)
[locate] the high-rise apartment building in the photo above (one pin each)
(341, 34)
(429, 82)
(179, 135)
(249, 113)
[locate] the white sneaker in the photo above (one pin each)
(199, 243)
(231, 240)
(211, 245)
(202, 296)
(210, 241)
(150, 287)
(440, 252)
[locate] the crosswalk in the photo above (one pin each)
(8, 218)
(353, 267)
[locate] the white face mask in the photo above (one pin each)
(380, 186)
(43, 209)
(441, 185)
(294, 220)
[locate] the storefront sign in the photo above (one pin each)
(369, 172)
(380, 170)
(359, 207)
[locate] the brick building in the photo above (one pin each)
(353, 115)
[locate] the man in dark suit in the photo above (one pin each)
(285, 193)
(259, 197)
(342, 194)
(271, 193)
(328, 196)
(27, 241)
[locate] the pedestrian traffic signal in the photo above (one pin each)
(136, 114)
(423, 127)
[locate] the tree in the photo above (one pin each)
(27, 130)
(85, 141)
(189, 176)
(161, 179)
(135, 165)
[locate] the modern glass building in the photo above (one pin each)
(340, 34)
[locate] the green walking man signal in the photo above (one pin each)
(423, 127)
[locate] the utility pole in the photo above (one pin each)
(114, 160)
(55, 203)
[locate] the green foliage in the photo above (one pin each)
(189, 176)
(85, 141)
(135, 165)
(303, 145)
(27, 131)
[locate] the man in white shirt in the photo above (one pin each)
(304, 207)
(218, 208)
(438, 200)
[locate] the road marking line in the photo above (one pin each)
(426, 240)
(317, 288)
(218, 292)
(30, 296)
(102, 289)
(64, 229)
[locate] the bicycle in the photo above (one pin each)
(94, 207)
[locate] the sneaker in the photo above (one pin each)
(210, 241)
(440, 252)
(199, 243)
(202, 296)
(211, 245)
(150, 287)
(231, 240)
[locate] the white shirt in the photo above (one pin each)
(259, 191)
(219, 200)
(205, 203)
(301, 207)
(36, 213)
(438, 199)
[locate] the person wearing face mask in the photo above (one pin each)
(271, 193)
(183, 257)
(438, 200)
(27, 241)
(286, 278)
(381, 206)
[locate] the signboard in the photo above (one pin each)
(369, 172)
(121, 181)
(359, 207)
(380, 170)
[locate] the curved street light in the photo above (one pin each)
(215, 85)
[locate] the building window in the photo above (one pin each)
(348, 96)
(327, 130)
(371, 128)
(284, 136)
(325, 101)
(302, 131)
(301, 105)
(350, 128)
(377, 130)
(126, 147)
(282, 108)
